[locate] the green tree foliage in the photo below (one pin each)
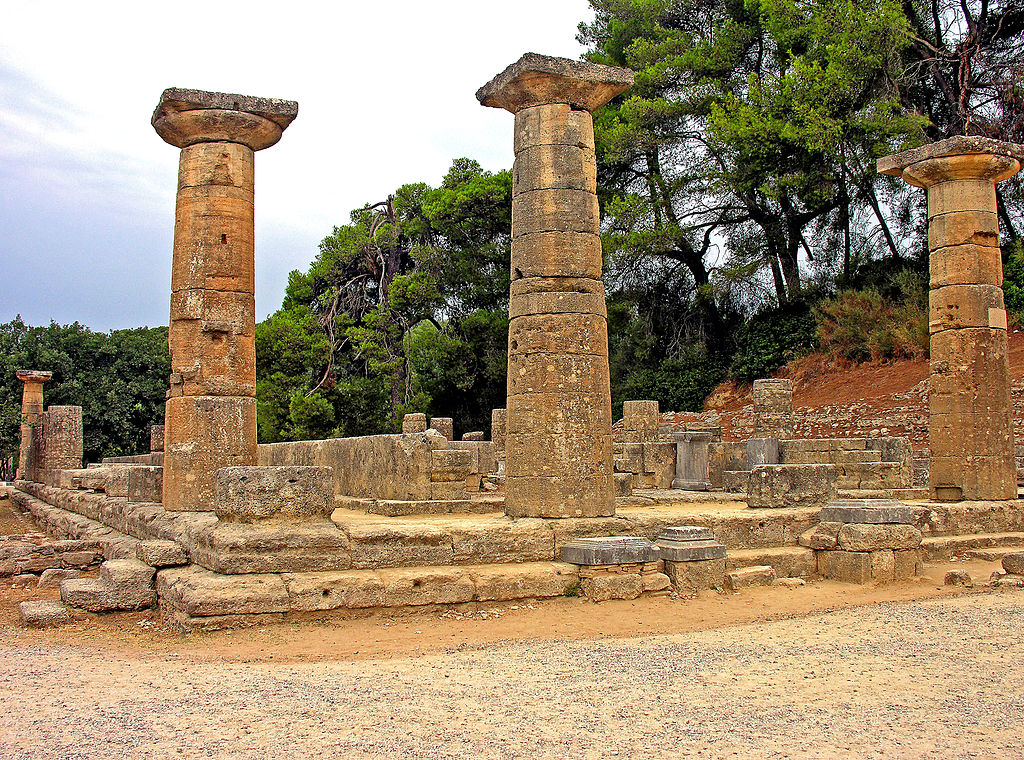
(118, 378)
(403, 310)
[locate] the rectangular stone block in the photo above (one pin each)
(584, 496)
(847, 567)
(557, 254)
(568, 302)
(554, 211)
(220, 164)
(145, 484)
(345, 589)
(955, 307)
(426, 585)
(558, 455)
(867, 538)
(558, 413)
(563, 167)
(201, 593)
(558, 373)
(966, 265)
(792, 485)
(699, 575)
(554, 124)
(248, 494)
(213, 244)
(559, 334)
(883, 566)
(963, 228)
(961, 195)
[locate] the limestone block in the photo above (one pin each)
(963, 228)
(247, 494)
(381, 466)
(557, 302)
(52, 577)
(848, 567)
(450, 465)
(97, 596)
(699, 575)
(883, 566)
(352, 589)
(158, 553)
(553, 454)
(414, 423)
(892, 449)
(271, 546)
(156, 438)
(603, 588)
(955, 307)
(219, 164)
(443, 425)
(201, 593)
(506, 543)
(557, 373)
(961, 195)
(866, 538)
(563, 167)
(958, 578)
(554, 210)
(24, 580)
(426, 585)
(736, 481)
(966, 265)
(797, 485)
(448, 490)
(536, 580)
(659, 465)
(655, 582)
(871, 511)
(748, 577)
(905, 563)
(61, 447)
(553, 254)
(1014, 563)
(145, 484)
(722, 456)
(203, 435)
(824, 535)
(499, 428)
(583, 496)
(762, 451)
(640, 420)
(44, 613)
(399, 545)
(692, 465)
(473, 435)
(553, 124)
(213, 244)
(623, 484)
(560, 334)
(559, 414)
(612, 550)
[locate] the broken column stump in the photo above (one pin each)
(867, 541)
(694, 560)
(779, 486)
(773, 408)
(31, 412)
(970, 430)
(558, 460)
(210, 416)
(616, 567)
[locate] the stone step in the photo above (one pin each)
(127, 574)
(748, 577)
(899, 494)
(944, 547)
(786, 561)
(994, 554)
(45, 613)
(197, 599)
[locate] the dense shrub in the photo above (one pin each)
(771, 338)
(1013, 278)
(679, 385)
(859, 326)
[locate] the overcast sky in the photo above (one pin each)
(385, 92)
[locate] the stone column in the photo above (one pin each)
(773, 408)
(970, 411)
(210, 419)
(558, 459)
(640, 421)
(31, 412)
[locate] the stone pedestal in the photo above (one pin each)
(31, 411)
(694, 560)
(559, 436)
(867, 541)
(970, 412)
(692, 462)
(210, 419)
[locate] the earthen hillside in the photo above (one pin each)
(867, 399)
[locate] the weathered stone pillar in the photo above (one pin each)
(970, 431)
(559, 434)
(62, 434)
(210, 419)
(773, 408)
(31, 411)
(640, 421)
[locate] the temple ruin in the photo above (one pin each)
(219, 531)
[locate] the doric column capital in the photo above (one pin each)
(536, 80)
(186, 117)
(957, 158)
(33, 376)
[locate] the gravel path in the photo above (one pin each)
(939, 678)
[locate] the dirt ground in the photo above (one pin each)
(911, 670)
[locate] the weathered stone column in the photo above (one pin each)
(31, 412)
(62, 435)
(210, 419)
(970, 431)
(559, 425)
